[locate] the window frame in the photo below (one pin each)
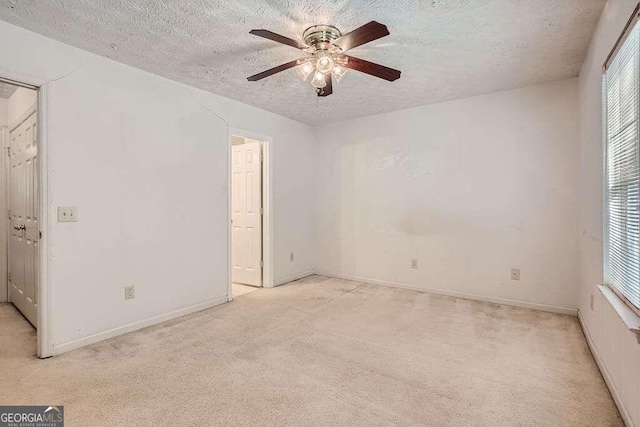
(633, 21)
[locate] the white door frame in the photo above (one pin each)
(44, 347)
(267, 195)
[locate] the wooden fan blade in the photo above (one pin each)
(365, 34)
(278, 38)
(373, 69)
(273, 70)
(328, 89)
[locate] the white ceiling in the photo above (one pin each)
(446, 49)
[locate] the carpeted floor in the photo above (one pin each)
(322, 351)
(238, 289)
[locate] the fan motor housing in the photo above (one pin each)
(319, 36)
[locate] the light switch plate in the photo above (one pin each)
(67, 214)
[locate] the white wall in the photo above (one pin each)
(145, 161)
(471, 188)
(616, 346)
(19, 103)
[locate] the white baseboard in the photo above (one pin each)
(624, 413)
(291, 278)
(504, 301)
(121, 330)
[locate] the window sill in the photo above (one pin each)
(628, 316)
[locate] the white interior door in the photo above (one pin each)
(246, 202)
(23, 218)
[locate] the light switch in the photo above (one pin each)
(67, 214)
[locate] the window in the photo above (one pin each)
(621, 87)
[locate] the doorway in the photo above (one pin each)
(20, 199)
(249, 216)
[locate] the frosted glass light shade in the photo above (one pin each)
(325, 64)
(304, 70)
(339, 72)
(318, 80)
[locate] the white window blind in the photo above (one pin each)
(621, 86)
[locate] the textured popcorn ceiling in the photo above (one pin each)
(446, 49)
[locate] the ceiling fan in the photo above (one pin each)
(327, 47)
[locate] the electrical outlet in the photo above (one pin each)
(67, 214)
(291, 256)
(515, 274)
(592, 302)
(129, 292)
(414, 263)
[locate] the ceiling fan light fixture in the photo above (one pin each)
(318, 80)
(325, 46)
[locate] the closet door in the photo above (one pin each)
(246, 202)
(23, 218)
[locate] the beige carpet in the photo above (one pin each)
(238, 289)
(322, 351)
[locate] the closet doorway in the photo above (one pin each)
(20, 199)
(249, 189)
